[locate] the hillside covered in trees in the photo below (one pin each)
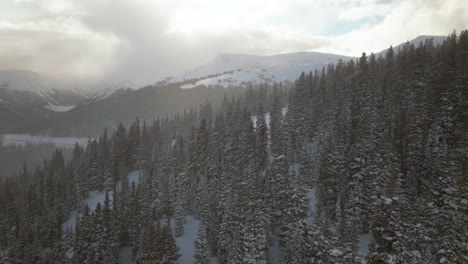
(376, 146)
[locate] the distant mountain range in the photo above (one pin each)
(28, 97)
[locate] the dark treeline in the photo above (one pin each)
(381, 141)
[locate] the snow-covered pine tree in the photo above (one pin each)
(202, 250)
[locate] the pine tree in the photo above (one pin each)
(202, 254)
(179, 219)
(170, 249)
(150, 250)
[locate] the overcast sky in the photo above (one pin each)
(105, 41)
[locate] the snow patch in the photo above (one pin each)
(336, 252)
(275, 252)
(70, 253)
(312, 204)
(364, 242)
(134, 176)
(267, 120)
(126, 256)
(312, 198)
(186, 242)
(284, 110)
(59, 108)
(294, 168)
(92, 200)
(388, 200)
(95, 197)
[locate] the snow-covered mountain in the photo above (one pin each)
(114, 90)
(21, 80)
(240, 69)
(20, 89)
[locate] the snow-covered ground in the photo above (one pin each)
(134, 176)
(312, 198)
(114, 89)
(186, 243)
(312, 204)
(267, 119)
(254, 118)
(22, 139)
(275, 252)
(364, 241)
(95, 197)
(59, 108)
(92, 200)
(125, 256)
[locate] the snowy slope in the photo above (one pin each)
(119, 88)
(20, 88)
(27, 82)
(20, 80)
(240, 69)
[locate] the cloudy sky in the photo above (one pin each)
(91, 42)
